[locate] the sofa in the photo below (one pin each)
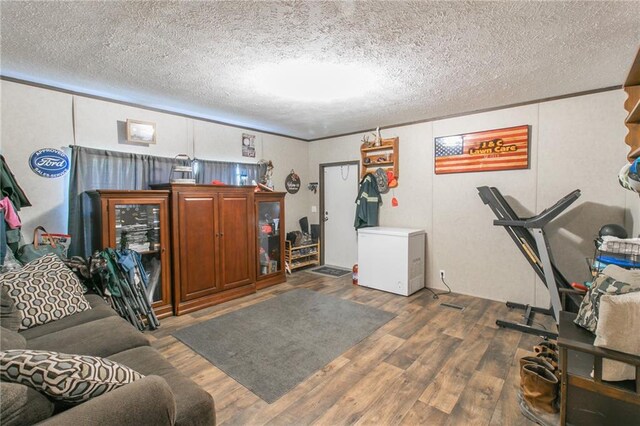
(164, 396)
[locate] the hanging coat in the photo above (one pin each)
(367, 202)
(10, 188)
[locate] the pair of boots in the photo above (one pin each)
(540, 384)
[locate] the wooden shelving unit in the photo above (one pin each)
(269, 208)
(632, 105)
(301, 256)
(385, 156)
(141, 216)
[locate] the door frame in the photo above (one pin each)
(321, 209)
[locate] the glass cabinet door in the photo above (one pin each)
(137, 227)
(269, 250)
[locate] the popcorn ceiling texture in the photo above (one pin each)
(434, 58)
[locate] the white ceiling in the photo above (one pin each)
(432, 59)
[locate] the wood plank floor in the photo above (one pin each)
(431, 365)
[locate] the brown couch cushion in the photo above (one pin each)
(99, 309)
(101, 337)
(194, 406)
(22, 405)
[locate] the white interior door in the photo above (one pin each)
(340, 237)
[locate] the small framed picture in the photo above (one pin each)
(141, 131)
(248, 145)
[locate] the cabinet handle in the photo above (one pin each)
(222, 234)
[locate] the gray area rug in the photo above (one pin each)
(332, 271)
(274, 345)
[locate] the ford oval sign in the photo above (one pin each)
(49, 162)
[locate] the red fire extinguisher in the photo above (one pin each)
(354, 274)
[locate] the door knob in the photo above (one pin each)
(326, 216)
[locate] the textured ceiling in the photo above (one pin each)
(432, 59)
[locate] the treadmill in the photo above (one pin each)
(529, 236)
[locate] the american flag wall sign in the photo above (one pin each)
(491, 150)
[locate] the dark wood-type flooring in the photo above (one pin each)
(431, 365)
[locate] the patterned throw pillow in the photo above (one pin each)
(44, 290)
(67, 378)
(590, 306)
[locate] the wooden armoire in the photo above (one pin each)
(213, 244)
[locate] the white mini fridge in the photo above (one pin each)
(391, 259)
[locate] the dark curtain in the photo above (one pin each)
(93, 169)
(228, 173)
(101, 169)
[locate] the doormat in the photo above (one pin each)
(273, 346)
(332, 271)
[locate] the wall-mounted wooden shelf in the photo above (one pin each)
(632, 105)
(634, 115)
(385, 156)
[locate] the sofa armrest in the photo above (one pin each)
(145, 401)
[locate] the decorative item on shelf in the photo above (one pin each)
(268, 174)
(185, 171)
(141, 131)
(266, 229)
(366, 143)
(313, 186)
(378, 138)
(292, 182)
(263, 187)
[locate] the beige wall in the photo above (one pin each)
(576, 143)
(34, 118)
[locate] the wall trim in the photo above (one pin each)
(251, 129)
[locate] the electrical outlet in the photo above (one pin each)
(442, 273)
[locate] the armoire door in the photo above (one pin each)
(236, 243)
(198, 249)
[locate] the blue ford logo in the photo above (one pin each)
(49, 162)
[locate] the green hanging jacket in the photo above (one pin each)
(367, 202)
(10, 188)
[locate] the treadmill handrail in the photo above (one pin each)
(507, 222)
(548, 214)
